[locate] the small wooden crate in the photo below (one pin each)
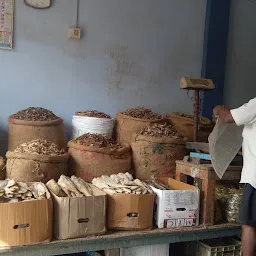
(206, 174)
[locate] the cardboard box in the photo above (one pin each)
(178, 207)
(149, 250)
(130, 212)
(79, 216)
(26, 223)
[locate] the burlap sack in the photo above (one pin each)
(156, 156)
(185, 126)
(35, 168)
(90, 162)
(126, 126)
(20, 131)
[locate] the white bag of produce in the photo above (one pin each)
(150, 250)
(85, 124)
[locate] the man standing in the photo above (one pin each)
(245, 116)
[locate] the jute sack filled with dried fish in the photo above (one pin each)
(132, 120)
(36, 161)
(184, 124)
(155, 150)
(35, 123)
(93, 159)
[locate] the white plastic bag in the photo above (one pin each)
(84, 124)
(224, 143)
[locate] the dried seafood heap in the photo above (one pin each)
(40, 147)
(121, 183)
(142, 113)
(97, 140)
(155, 183)
(35, 114)
(71, 187)
(203, 120)
(229, 199)
(160, 130)
(13, 192)
(93, 113)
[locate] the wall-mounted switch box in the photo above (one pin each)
(74, 33)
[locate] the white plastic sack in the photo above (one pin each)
(149, 250)
(84, 124)
(225, 142)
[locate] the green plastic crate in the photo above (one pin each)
(220, 247)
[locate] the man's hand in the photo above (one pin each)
(223, 113)
(217, 110)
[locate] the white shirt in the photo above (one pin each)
(246, 115)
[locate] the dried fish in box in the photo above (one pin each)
(121, 183)
(12, 191)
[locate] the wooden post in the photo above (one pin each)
(208, 201)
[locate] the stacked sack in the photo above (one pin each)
(93, 155)
(155, 150)
(37, 160)
(36, 144)
(35, 123)
(184, 123)
(132, 120)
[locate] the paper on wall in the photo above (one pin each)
(224, 143)
(6, 23)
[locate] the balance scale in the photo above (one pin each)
(197, 85)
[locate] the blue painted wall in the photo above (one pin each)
(132, 53)
(215, 52)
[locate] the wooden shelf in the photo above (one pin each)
(122, 239)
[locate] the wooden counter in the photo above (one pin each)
(121, 239)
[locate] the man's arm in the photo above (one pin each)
(224, 114)
(243, 115)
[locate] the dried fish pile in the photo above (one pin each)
(160, 130)
(156, 184)
(35, 114)
(40, 147)
(13, 192)
(229, 199)
(203, 120)
(71, 187)
(93, 113)
(97, 140)
(121, 183)
(142, 113)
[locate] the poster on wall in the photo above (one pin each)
(6, 24)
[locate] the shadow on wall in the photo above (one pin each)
(3, 142)
(68, 129)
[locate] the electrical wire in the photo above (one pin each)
(76, 14)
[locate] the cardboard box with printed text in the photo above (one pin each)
(178, 207)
